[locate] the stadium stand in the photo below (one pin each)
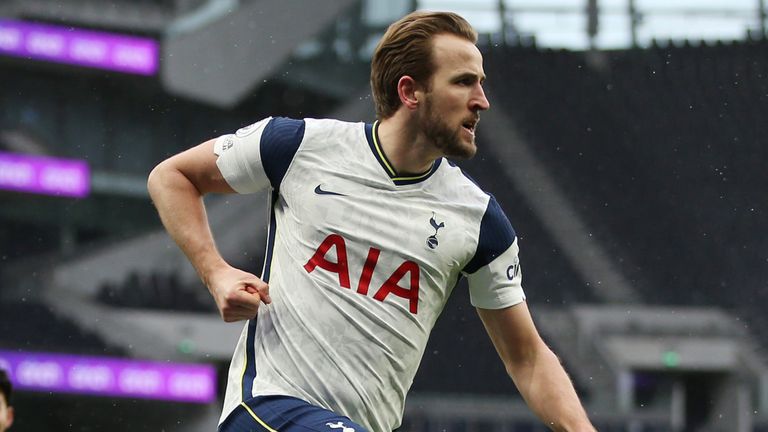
(156, 291)
(33, 326)
(122, 125)
(662, 148)
(549, 277)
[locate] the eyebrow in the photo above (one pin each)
(472, 75)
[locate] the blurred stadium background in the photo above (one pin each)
(626, 141)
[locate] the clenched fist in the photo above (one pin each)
(238, 294)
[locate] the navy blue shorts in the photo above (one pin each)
(285, 414)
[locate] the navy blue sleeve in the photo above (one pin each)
(279, 143)
(496, 236)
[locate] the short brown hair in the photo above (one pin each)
(406, 49)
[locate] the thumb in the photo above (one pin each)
(261, 288)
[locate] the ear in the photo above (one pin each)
(407, 89)
(9, 417)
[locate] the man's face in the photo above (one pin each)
(452, 104)
(6, 414)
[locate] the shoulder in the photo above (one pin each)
(461, 186)
(283, 131)
(288, 135)
(326, 135)
(287, 130)
(330, 123)
(492, 212)
(332, 126)
(494, 231)
(477, 204)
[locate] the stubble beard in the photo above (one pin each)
(446, 139)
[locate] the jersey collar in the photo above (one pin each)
(372, 134)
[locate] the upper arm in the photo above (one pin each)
(493, 273)
(512, 332)
(198, 165)
(251, 159)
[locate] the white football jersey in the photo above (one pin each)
(360, 263)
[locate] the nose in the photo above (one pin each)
(479, 102)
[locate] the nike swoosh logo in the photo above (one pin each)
(319, 191)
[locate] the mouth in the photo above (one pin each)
(470, 125)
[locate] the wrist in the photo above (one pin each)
(208, 270)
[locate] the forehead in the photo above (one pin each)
(454, 55)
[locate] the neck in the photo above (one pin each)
(405, 146)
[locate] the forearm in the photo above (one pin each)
(181, 209)
(549, 392)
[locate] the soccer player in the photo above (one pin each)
(370, 230)
(6, 410)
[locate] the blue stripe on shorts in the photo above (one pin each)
(285, 414)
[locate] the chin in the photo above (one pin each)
(470, 153)
(464, 150)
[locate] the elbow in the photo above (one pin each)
(167, 178)
(153, 179)
(156, 177)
